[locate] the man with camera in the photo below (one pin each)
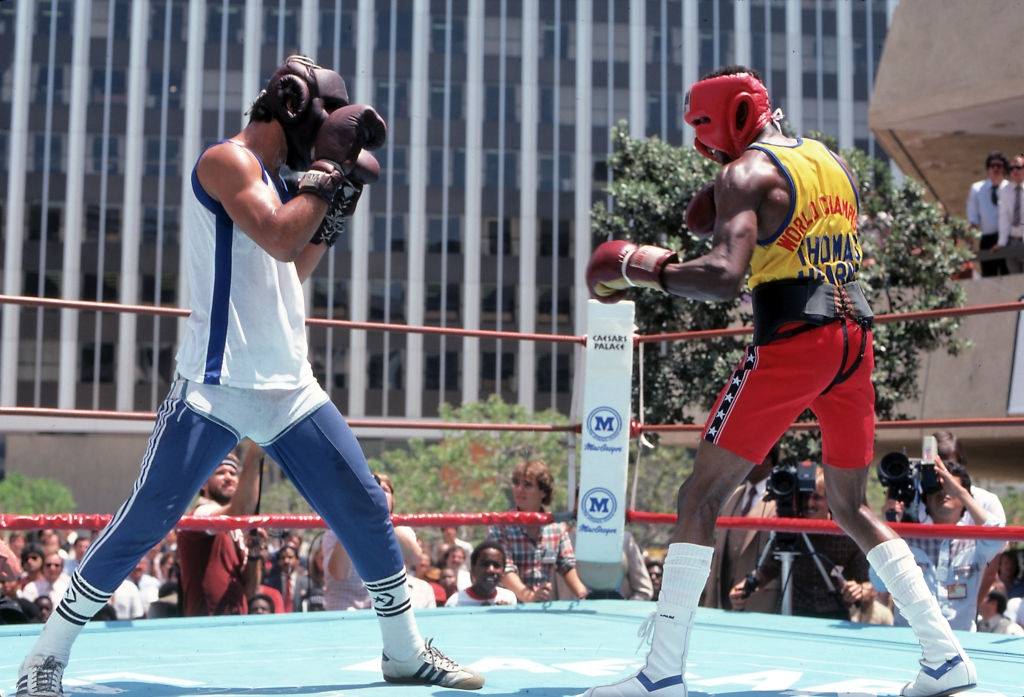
(952, 569)
(220, 570)
(838, 588)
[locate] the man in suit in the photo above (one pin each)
(737, 551)
(291, 579)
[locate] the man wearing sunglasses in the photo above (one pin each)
(1011, 215)
(983, 209)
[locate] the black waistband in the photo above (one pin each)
(809, 303)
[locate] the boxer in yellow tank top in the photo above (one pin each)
(818, 239)
(786, 211)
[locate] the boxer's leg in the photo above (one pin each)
(321, 455)
(847, 417)
(184, 449)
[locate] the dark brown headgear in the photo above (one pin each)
(300, 95)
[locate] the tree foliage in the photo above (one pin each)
(31, 495)
(471, 470)
(911, 251)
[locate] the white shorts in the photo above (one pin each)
(262, 415)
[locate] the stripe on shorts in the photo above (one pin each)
(731, 396)
(168, 406)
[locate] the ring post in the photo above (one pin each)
(607, 395)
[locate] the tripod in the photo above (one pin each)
(784, 548)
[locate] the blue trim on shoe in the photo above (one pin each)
(936, 673)
(651, 686)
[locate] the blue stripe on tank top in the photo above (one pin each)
(221, 283)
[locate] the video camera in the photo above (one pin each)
(791, 485)
(908, 479)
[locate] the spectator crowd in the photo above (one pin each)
(995, 207)
(978, 583)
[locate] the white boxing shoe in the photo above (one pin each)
(955, 675)
(640, 685)
(40, 676)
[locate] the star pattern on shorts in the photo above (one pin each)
(748, 363)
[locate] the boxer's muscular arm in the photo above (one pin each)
(233, 177)
(740, 189)
(308, 259)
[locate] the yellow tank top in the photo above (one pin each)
(818, 239)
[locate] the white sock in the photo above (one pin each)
(398, 628)
(686, 570)
(80, 602)
(895, 565)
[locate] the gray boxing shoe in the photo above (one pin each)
(955, 675)
(40, 676)
(430, 667)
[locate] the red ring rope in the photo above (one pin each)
(56, 303)
(635, 427)
(95, 521)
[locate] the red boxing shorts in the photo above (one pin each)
(775, 383)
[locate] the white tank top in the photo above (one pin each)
(247, 327)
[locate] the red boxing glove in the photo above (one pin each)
(700, 214)
(618, 265)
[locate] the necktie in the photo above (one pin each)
(1016, 206)
(287, 595)
(750, 494)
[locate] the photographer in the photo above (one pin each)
(953, 568)
(851, 594)
(220, 570)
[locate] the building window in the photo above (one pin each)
(546, 241)
(399, 167)
(452, 298)
(451, 371)
(506, 240)
(562, 382)
(395, 371)
(113, 155)
(106, 363)
(387, 306)
(438, 31)
(379, 240)
(345, 37)
(493, 166)
(437, 98)
(436, 235)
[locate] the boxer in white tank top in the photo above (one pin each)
(243, 369)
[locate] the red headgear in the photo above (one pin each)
(712, 106)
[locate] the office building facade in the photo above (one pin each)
(499, 114)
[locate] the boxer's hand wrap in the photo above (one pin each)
(618, 265)
(323, 179)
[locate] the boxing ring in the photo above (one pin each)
(550, 649)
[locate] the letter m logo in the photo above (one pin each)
(599, 505)
(604, 423)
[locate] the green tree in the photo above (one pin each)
(470, 470)
(283, 497)
(911, 253)
(30, 495)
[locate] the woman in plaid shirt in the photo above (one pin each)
(533, 553)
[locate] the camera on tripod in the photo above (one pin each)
(791, 485)
(909, 479)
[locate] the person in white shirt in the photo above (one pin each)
(127, 602)
(149, 586)
(488, 566)
(1011, 215)
(983, 208)
(52, 583)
